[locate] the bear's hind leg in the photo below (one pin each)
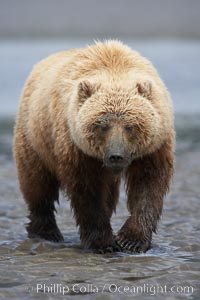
(40, 190)
(42, 218)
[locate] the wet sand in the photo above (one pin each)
(37, 269)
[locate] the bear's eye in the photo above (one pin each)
(104, 127)
(128, 128)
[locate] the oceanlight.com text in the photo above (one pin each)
(58, 288)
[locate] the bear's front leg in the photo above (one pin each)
(90, 192)
(148, 181)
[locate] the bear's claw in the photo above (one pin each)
(54, 236)
(109, 249)
(133, 246)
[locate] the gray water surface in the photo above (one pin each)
(177, 62)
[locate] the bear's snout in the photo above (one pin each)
(117, 161)
(116, 158)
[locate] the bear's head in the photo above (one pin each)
(113, 123)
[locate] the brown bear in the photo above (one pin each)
(88, 118)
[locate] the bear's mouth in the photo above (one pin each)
(117, 169)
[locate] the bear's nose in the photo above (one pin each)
(116, 158)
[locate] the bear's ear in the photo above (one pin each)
(86, 89)
(144, 89)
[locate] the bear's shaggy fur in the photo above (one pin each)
(88, 117)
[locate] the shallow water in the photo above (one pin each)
(34, 269)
